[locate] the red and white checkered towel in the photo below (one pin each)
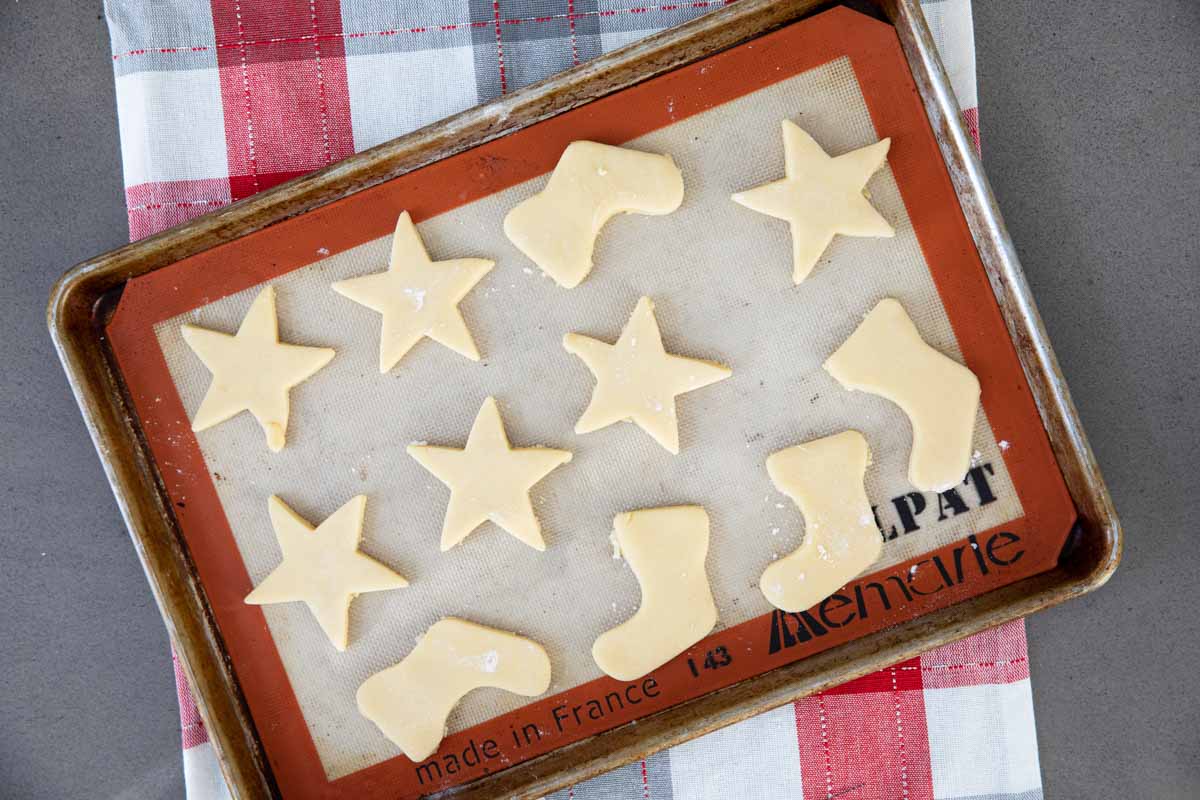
(219, 100)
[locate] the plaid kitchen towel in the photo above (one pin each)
(219, 100)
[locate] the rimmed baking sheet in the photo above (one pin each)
(720, 276)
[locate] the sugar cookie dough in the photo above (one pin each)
(489, 480)
(252, 371)
(411, 701)
(323, 567)
(665, 548)
(820, 197)
(886, 356)
(557, 227)
(417, 297)
(824, 478)
(637, 380)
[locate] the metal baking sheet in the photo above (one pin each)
(207, 620)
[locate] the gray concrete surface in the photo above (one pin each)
(1090, 119)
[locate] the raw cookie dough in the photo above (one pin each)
(821, 196)
(636, 379)
(824, 478)
(417, 297)
(489, 480)
(411, 701)
(252, 371)
(591, 183)
(323, 567)
(887, 356)
(665, 548)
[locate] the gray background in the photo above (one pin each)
(1090, 116)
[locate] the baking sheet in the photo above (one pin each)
(720, 277)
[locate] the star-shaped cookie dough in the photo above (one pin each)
(252, 371)
(489, 480)
(417, 297)
(323, 567)
(821, 196)
(636, 379)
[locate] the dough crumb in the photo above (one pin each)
(417, 296)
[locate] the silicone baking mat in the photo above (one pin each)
(720, 278)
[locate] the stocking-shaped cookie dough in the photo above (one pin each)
(886, 356)
(665, 548)
(411, 701)
(824, 478)
(591, 183)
